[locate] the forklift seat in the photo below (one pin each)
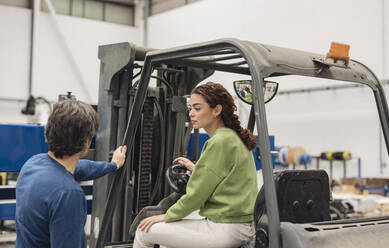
(303, 196)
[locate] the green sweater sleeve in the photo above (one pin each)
(201, 184)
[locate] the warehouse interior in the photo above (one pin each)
(53, 47)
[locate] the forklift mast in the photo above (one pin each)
(159, 135)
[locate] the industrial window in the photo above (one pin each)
(16, 3)
(159, 6)
(114, 11)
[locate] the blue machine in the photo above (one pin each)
(17, 144)
(203, 137)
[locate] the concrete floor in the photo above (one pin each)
(7, 245)
(7, 235)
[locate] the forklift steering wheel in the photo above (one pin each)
(178, 176)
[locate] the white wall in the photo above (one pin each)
(54, 72)
(299, 24)
(322, 121)
(14, 51)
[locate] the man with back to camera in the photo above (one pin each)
(51, 207)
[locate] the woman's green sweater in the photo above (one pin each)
(223, 184)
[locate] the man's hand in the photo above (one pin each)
(184, 161)
(119, 156)
(146, 224)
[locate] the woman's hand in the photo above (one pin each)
(184, 161)
(146, 224)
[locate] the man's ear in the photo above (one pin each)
(87, 144)
(84, 151)
(218, 110)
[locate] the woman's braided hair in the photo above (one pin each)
(215, 94)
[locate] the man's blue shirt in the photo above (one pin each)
(50, 205)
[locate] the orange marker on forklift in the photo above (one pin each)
(339, 51)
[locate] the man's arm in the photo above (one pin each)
(67, 220)
(90, 170)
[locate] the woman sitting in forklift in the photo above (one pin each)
(223, 184)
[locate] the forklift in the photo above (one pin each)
(142, 103)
